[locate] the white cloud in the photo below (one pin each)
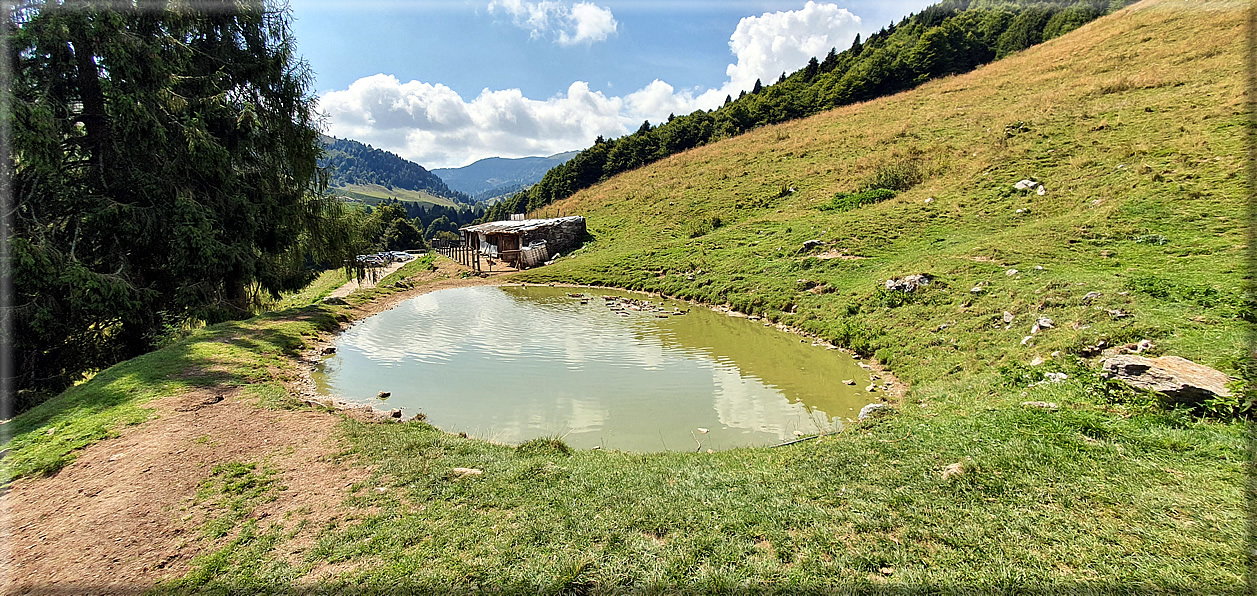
(583, 22)
(434, 126)
(778, 42)
(591, 23)
(656, 100)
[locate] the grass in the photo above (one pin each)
(1047, 501)
(235, 354)
(846, 201)
(234, 489)
(324, 284)
(1110, 492)
(372, 194)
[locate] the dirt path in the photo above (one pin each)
(352, 284)
(125, 515)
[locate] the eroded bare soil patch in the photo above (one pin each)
(123, 515)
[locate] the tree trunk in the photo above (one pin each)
(95, 118)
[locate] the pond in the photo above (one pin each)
(611, 369)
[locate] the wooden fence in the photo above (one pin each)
(459, 252)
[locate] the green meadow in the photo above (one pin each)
(1134, 126)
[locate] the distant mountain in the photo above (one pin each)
(355, 165)
(497, 176)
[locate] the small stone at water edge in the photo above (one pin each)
(848, 381)
(383, 394)
(871, 409)
(798, 433)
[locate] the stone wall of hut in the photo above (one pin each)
(562, 237)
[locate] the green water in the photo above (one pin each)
(510, 364)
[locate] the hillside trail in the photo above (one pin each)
(125, 514)
(352, 285)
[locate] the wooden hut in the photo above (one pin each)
(528, 242)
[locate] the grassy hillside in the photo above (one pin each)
(949, 37)
(372, 194)
(1132, 123)
(351, 163)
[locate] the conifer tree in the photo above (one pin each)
(163, 169)
(810, 71)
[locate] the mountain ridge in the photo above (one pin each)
(492, 177)
(355, 165)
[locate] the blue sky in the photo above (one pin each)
(446, 82)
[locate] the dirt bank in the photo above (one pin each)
(125, 514)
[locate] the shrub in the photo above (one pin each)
(856, 337)
(898, 176)
(1206, 296)
(544, 446)
(703, 226)
(846, 201)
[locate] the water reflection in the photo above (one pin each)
(510, 364)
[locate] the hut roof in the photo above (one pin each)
(516, 227)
